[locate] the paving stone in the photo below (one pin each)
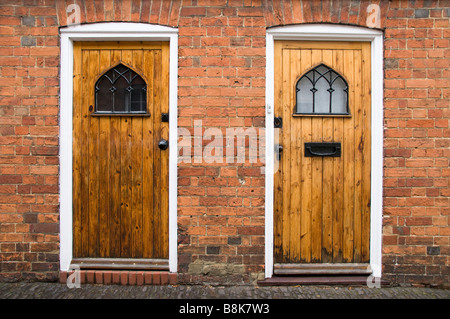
(44, 290)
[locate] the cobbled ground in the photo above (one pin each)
(44, 290)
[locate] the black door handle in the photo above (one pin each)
(278, 150)
(163, 144)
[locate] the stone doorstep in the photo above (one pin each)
(318, 280)
(123, 277)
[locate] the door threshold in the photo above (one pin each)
(121, 263)
(319, 280)
(322, 269)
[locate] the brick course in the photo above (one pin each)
(222, 82)
(125, 278)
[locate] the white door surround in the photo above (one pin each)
(329, 32)
(113, 31)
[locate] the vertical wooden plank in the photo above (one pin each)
(349, 159)
(358, 145)
(84, 154)
(286, 156)
(126, 176)
(366, 162)
(165, 154)
(327, 180)
(93, 158)
(115, 171)
(115, 189)
(295, 158)
(116, 56)
(316, 221)
(136, 180)
(157, 247)
(76, 150)
(147, 157)
(104, 170)
(278, 175)
(338, 174)
(138, 61)
(136, 187)
(306, 181)
(125, 186)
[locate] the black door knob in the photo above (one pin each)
(163, 144)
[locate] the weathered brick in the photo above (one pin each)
(124, 277)
(433, 250)
(421, 13)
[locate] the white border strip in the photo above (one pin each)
(328, 32)
(112, 32)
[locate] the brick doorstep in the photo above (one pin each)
(122, 277)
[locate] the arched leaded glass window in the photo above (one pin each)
(322, 91)
(120, 91)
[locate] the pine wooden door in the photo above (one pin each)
(120, 175)
(322, 203)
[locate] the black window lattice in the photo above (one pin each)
(322, 91)
(120, 91)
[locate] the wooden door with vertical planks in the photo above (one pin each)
(120, 175)
(322, 202)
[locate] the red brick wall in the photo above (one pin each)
(222, 82)
(29, 67)
(416, 185)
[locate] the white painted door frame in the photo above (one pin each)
(328, 32)
(112, 31)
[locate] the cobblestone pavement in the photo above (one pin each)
(42, 290)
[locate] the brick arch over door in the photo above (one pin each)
(175, 13)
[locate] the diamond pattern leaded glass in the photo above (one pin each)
(322, 91)
(120, 91)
